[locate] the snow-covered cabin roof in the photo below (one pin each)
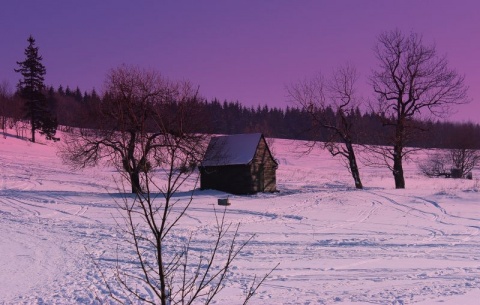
(236, 149)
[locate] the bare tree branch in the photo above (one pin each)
(331, 105)
(411, 81)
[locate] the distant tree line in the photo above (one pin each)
(296, 123)
(74, 108)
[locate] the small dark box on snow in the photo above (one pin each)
(225, 201)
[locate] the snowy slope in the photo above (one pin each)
(335, 244)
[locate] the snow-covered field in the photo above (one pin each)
(335, 244)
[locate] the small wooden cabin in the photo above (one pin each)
(239, 164)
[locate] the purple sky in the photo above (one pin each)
(235, 50)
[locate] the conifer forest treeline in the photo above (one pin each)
(74, 108)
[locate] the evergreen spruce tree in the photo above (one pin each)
(31, 88)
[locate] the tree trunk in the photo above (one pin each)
(353, 166)
(131, 166)
(135, 181)
(32, 121)
(165, 297)
(398, 154)
(398, 167)
(4, 126)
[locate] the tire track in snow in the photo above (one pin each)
(434, 233)
(408, 209)
(434, 203)
(19, 208)
(453, 220)
(35, 209)
(444, 219)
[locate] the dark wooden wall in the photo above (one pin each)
(264, 169)
(235, 179)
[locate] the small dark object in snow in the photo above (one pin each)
(224, 201)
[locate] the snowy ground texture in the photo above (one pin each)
(335, 244)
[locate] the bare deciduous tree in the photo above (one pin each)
(455, 163)
(459, 159)
(436, 165)
(139, 109)
(411, 80)
(11, 111)
(147, 130)
(464, 161)
(5, 99)
(174, 272)
(338, 93)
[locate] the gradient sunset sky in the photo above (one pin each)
(233, 50)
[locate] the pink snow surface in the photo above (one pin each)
(335, 244)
